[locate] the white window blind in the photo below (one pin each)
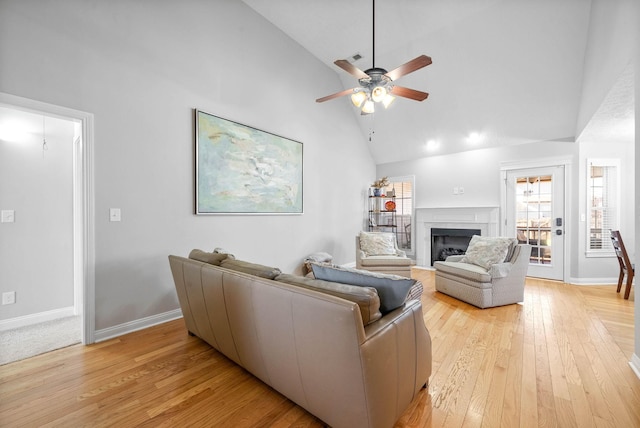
(602, 205)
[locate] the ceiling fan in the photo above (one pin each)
(376, 84)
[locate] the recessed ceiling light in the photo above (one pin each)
(432, 144)
(475, 138)
(13, 130)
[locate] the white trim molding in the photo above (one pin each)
(635, 364)
(139, 324)
(84, 203)
(593, 281)
(23, 321)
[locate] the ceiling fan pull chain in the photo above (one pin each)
(44, 138)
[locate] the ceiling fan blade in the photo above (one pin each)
(409, 93)
(409, 67)
(336, 95)
(351, 69)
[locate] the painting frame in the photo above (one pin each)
(242, 170)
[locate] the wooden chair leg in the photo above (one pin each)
(620, 278)
(627, 290)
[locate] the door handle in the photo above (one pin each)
(559, 232)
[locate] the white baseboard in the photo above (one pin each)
(593, 281)
(140, 324)
(46, 316)
(635, 364)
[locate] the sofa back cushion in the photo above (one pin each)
(392, 289)
(203, 256)
(365, 297)
(262, 271)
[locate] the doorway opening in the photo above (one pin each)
(82, 229)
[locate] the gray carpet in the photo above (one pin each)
(29, 341)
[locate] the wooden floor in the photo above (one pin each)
(560, 359)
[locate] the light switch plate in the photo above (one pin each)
(7, 216)
(115, 214)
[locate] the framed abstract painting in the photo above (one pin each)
(243, 170)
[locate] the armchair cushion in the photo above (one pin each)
(392, 289)
(464, 270)
(378, 244)
(485, 251)
(375, 261)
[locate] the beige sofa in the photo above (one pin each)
(311, 346)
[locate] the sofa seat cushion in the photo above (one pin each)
(262, 271)
(392, 289)
(366, 298)
(377, 261)
(465, 270)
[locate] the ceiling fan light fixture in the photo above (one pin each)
(358, 98)
(388, 100)
(378, 94)
(368, 107)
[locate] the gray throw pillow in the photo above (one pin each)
(392, 289)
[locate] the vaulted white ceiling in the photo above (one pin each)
(510, 70)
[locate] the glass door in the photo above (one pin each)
(535, 215)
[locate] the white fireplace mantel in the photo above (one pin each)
(483, 218)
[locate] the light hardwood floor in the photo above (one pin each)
(560, 359)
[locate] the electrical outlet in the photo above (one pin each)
(7, 216)
(8, 298)
(455, 190)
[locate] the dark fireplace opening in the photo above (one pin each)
(449, 242)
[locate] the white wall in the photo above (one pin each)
(141, 69)
(478, 171)
(36, 251)
(636, 357)
(609, 50)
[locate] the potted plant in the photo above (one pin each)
(379, 184)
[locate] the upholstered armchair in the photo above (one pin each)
(491, 273)
(379, 252)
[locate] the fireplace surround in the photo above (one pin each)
(484, 219)
(449, 242)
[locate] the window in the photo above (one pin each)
(602, 205)
(404, 209)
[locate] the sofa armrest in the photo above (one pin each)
(456, 258)
(396, 358)
(500, 270)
